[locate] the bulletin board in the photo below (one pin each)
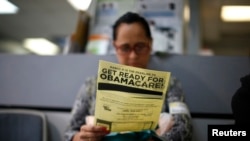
(164, 16)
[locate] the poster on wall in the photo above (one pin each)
(97, 44)
(109, 10)
(165, 18)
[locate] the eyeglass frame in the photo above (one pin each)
(133, 48)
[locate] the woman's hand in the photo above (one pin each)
(166, 122)
(90, 133)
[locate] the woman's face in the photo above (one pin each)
(132, 46)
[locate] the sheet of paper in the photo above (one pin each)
(129, 98)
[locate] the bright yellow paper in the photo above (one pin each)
(129, 98)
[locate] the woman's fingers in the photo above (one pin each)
(93, 133)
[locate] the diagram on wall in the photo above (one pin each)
(164, 16)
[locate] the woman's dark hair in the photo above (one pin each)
(130, 18)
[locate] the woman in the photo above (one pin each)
(133, 44)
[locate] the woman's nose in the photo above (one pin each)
(133, 54)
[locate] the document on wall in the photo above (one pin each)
(129, 98)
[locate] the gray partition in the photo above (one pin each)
(208, 82)
(53, 81)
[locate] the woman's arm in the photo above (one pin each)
(82, 107)
(176, 106)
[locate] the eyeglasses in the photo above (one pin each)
(140, 48)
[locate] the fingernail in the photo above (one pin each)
(107, 131)
(104, 128)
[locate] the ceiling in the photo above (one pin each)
(39, 18)
(56, 18)
(214, 28)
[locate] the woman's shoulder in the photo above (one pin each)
(174, 81)
(89, 81)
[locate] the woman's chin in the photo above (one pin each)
(135, 65)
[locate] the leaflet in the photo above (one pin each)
(129, 98)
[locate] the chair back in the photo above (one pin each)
(22, 125)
